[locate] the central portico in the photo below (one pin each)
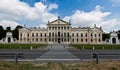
(59, 31)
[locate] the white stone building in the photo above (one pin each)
(9, 38)
(59, 31)
(113, 38)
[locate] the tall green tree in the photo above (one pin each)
(16, 32)
(118, 34)
(105, 36)
(2, 32)
(8, 29)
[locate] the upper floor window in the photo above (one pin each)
(52, 28)
(91, 35)
(95, 35)
(86, 34)
(32, 34)
(58, 28)
(65, 28)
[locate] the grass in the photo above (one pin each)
(20, 46)
(96, 46)
(91, 65)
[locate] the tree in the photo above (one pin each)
(2, 32)
(118, 34)
(8, 29)
(105, 36)
(16, 32)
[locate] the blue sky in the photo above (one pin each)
(82, 13)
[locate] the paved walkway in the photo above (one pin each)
(59, 53)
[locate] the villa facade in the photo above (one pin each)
(59, 31)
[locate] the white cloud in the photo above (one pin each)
(115, 3)
(82, 18)
(15, 10)
(8, 23)
(96, 16)
(53, 6)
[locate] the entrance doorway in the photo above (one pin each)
(9, 39)
(114, 40)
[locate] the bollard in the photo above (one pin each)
(31, 47)
(96, 57)
(103, 48)
(16, 58)
(93, 48)
(83, 48)
(64, 46)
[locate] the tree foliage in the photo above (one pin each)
(105, 36)
(16, 32)
(2, 32)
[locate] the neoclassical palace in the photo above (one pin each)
(59, 31)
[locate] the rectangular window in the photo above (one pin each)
(73, 40)
(72, 34)
(36, 34)
(95, 35)
(41, 40)
(49, 34)
(45, 34)
(77, 40)
(64, 34)
(86, 34)
(64, 28)
(21, 34)
(36, 39)
(77, 34)
(45, 40)
(52, 34)
(99, 35)
(91, 35)
(67, 34)
(32, 34)
(81, 34)
(81, 40)
(40, 34)
(28, 34)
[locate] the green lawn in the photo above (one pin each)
(96, 46)
(21, 46)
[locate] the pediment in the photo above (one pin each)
(59, 21)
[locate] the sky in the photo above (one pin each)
(82, 13)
